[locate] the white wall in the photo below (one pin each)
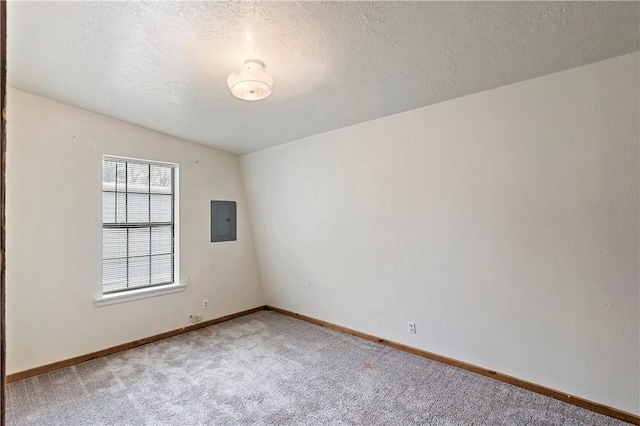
(54, 234)
(505, 224)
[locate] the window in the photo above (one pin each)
(138, 224)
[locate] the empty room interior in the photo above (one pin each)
(364, 213)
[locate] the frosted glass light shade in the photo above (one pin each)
(251, 83)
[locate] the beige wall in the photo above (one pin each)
(505, 224)
(54, 234)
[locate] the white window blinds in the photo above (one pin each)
(137, 224)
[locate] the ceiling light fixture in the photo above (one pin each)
(251, 83)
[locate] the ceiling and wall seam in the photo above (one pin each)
(164, 65)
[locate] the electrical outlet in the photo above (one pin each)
(205, 304)
(195, 318)
(411, 327)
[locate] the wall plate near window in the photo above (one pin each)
(223, 221)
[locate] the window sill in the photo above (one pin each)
(142, 293)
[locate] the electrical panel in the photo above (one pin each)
(223, 221)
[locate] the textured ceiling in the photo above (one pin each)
(163, 65)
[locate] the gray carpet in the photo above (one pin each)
(269, 369)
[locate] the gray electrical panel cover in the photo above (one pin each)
(223, 221)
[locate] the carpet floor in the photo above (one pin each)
(270, 369)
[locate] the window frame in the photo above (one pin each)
(124, 295)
